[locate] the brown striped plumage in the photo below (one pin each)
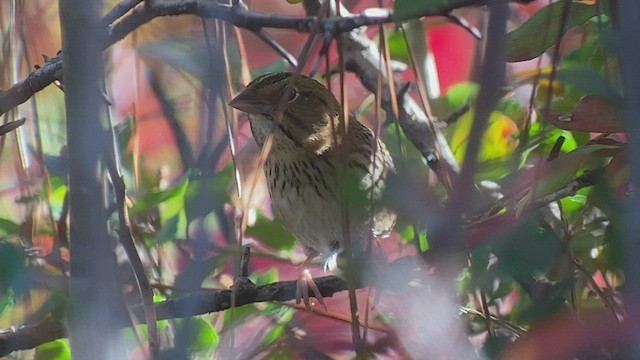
(311, 169)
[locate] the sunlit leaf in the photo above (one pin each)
(498, 140)
(542, 29)
(574, 203)
(264, 277)
(239, 314)
(461, 94)
(57, 194)
(397, 46)
(204, 336)
(7, 300)
(156, 196)
(53, 350)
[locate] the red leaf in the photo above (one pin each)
(590, 114)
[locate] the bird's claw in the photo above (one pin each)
(304, 283)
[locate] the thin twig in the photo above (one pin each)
(128, 243)
(10, 126)
(275, 45)
(182, 141)
(463, 23)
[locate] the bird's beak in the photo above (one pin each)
(251, 102)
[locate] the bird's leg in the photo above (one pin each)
(305, 282)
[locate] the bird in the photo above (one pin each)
(321, 171)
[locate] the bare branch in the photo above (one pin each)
(204, 302)
(239, 15)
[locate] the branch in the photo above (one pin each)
(585, 180)
(240, 16)
(209, 301)
(203, 302)
(10, 126)
(36, 81)
(128, 243)
(362, 57)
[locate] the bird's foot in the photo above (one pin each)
(305, 283)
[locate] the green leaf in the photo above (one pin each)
(461, 94)
(124, 130)
(204, 337)
(205, 194)
(264, 277)
(273, 335)
(573, 204)
(7, 301)
(54, 350)
(57, 194)
(170, 230)
(498, 140)
(542, 29)
(283, 316)
(423, 242)
(494, 346)
(13, 271)
(409, 9)
(557, 173)
(589, 80)
(554, 303)
(530, 249)
(272, 233)
(156, 197)
(8, 227)
(398, 46)
(239, 314)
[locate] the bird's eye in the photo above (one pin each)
(295, 94)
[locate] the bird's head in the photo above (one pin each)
(309, 112)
